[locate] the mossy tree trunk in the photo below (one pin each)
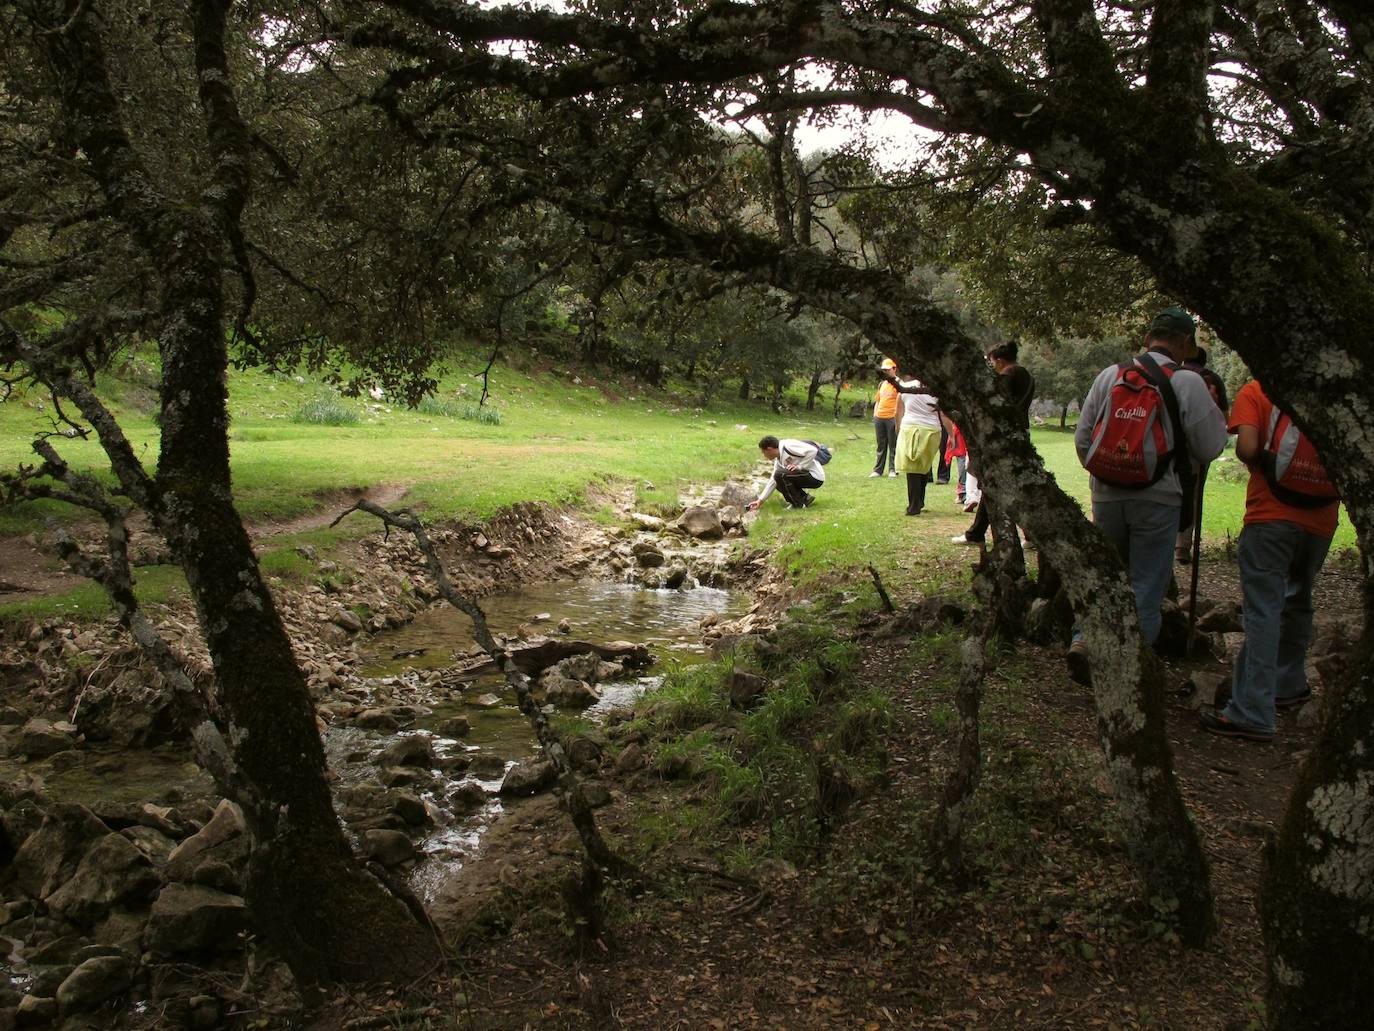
(307, 894)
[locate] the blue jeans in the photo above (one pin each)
(1278, 564)
(1142, 532)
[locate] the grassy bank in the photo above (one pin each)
(558, 437)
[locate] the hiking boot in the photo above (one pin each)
(1214, 722)
(1293, 701)
(1080, 670)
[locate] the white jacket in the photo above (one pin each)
(794, 456)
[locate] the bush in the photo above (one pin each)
(450, 409)
(325, 409)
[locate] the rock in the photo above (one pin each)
(736, 495)
(132, 710)
(584, 753)
(347, 619)
(630, 759)
(1232, 643)
(701, 522)
(746, 688)
(646, 522)
(485, 701)
(390, 848)
(35, 1010)
(455, 726)
(190, 918)
(377, 719)
(412, 750)
(528, 777)
(402, 776)
(564, 627)
(39, 737)
(675, 575)
(489, 766)
(222, 839)
(1208, 690)
(113, 871)
(410, 809)
(567, 693)
(468, 797)
(50, 855)
(648, 556)
(731, 517)
(93, 982)
(1222, 618)
(595, 793)
(123, 929)
(151, 842)
(1310, 715)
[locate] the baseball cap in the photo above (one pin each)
(1174, 321)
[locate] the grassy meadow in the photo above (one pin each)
(559, 437)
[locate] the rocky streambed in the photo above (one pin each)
(122, 871)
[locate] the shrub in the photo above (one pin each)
(450, 409)
(325, 409)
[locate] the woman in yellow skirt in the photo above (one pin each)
(918, 440)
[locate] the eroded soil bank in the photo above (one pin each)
(122, 867)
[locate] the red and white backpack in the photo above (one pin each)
(1292, 467)
(1138, 432)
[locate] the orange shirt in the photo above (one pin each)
(1251, 408)
(885, 401)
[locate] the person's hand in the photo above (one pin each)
(752, 506)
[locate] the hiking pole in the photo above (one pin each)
(1197, 553)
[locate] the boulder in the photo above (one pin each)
(736, 496)
(132, 710)
(567, 693)
(35, 1011)
(648, 557)
(402, 776)
(377, 719)
(224, 839)
(410, 808)
(93, 982)
(485, 701)
(630, 759)
(455, 726)
(113, 871)
(388, 847)
(1224, 617)
(39, 738)
(50, 855)
(412, 750)
(347, 620)
(645, 521)
(154, 844)
(467, 797)
(528, 777)
(701, 522)
(675, 575)
(1208, 690)
(595, 793)
(731, 517)
(746, 688)
(187, 919)
(585, 753)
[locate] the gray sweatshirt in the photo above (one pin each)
(1204, 427)
(793, 456)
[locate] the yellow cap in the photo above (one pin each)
(888, 363)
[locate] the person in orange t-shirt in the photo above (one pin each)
(1282, 548)
(885, 422)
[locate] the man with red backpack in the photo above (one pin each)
(1290, 517)
(1142, 425)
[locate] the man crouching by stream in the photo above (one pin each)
(796, 466)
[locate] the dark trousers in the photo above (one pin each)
(916, 492)
(885, 433)
(792, 486)
(979, 530)
(942, 473)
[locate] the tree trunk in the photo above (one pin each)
(307, 895)
(744, 389)
(1063, 416)
(812, 390)
(1317, 892)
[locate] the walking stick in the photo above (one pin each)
(1197, 552)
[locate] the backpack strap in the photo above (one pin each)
(1157, 376)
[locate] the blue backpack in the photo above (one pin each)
(823, 453)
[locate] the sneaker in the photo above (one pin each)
(942, 483)
(871, 475)
(1080, 670)
(971, 506)
(892, 473)
(1293, 701)
(1214, 722)
(808, 500)
(963, 538)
